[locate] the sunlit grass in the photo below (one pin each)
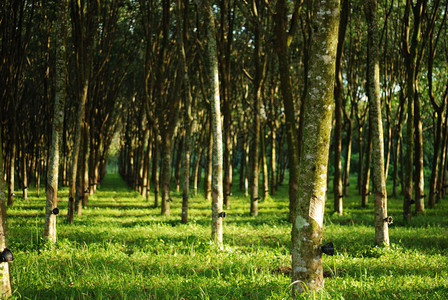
(122, 248)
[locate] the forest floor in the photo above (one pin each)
(122, 248)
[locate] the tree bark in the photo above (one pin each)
(338, 97)
(57, 126)
(307, 273)
(183, 10)
(5, 278)
(217, 188)
(376, 126)
(288, 102)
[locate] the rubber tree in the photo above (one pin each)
(376, 124)
(338, 97)
(307, 273)
(5, 279)
(57, 126)
(282, 42)
(410, 53)
(188, 120)
(217, 178)
(84, 29)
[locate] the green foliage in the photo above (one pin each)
(121, 248)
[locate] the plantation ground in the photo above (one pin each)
(122, 248)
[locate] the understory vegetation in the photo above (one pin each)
(122, 248)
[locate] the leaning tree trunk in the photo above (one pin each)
(307, 272)
(376, 126)
(5, 279)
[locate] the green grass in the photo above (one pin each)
(121, 248)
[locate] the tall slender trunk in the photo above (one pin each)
(338, 97)
(75, 154)
(5, 278)
(217, 189)
(288, 103)
(376, 126)
(188, 119)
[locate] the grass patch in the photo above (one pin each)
(121, 248)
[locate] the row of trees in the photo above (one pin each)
(161, 72)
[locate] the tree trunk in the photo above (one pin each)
(338, 97)
(217, 189)
(376, 126)
(75, 154)
(5, 278)
(57, 127)
(419, 178)
(307, 272)
(209, 168)
(264, 164)
(25, 177)
(155, 168)
(183, 9)
(11, 169)
(410, 51)
(165, 174)
(273, 182)
(366, 175)
(360, 158)
(288, 103)
(348, 156)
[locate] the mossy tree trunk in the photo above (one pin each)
(376, 125)
(307, 273)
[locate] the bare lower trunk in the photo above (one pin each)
(208, 169)
(165, 175)
(348, 159)
(75, 154)
(155, 169)
(5, 278)
(419, 178)
(307, 271)
(366, 175)
(11, 174)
